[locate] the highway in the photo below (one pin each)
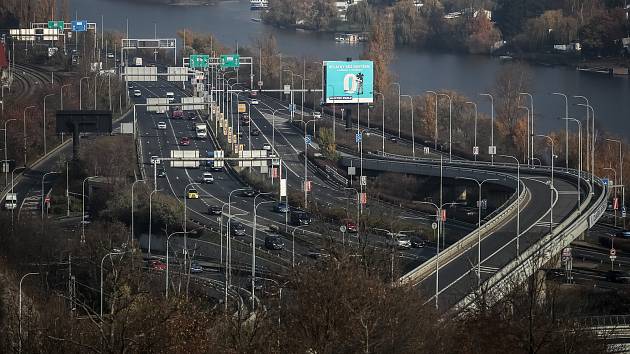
(457, 276)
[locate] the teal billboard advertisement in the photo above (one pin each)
(349, 81)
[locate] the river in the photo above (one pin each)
(417, 71)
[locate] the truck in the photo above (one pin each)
(10, 201)
(201, 130)
(137, 61)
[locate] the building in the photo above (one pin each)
(342, 7)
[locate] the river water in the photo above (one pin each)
(417, 71)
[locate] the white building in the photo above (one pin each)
(342, 7)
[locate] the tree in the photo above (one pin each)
(360, 14)
(380, 50)
(482, 36)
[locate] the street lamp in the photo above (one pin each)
(480, 184)
(150, 216)
(579, 194)
(167, 262)
(6, 158)
(613, 186)
(44, 120)
(334, 120)
(81, 90)
(186, 220)
(43, 178)
(475, 147)
(439, 227)
(383, 116)
(450, 125)
(24, 132)
(83, 208)
(132, 209)
(551, 185)
(398, 85)
(20, 311)
(592, 142)
(531, 106)
(566, 126)
(529, 156)
(518, 201)
(623, 187)
(254, 241)
(61, 95)
(435, 136)
(491, 124)
(306, 143)
(103, 260)
(413, 135)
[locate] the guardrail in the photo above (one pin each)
(522, 267)
(464, 243)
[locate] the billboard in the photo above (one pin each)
(349, 81)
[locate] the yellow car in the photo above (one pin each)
(192, 194)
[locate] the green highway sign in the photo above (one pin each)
(55, 25)
(230, 61)
(199, 61)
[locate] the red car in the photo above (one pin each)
(185, 141)
(178, 114)
(351, 227)
(158, 265)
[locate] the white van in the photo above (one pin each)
(170, 96)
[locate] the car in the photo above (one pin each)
(316, 254)
(215, 210)
(157, 265)
(161, 125)
(350, 225)
(417, 243)
(161, 173)
(248, 192)
(300, 217)
(617, 276)
(170, 96)
(184, 141)
(266, 146)
(155, 160)
(255, 132)
(281, 207)
(207, 177)
(196, 268)
(192, 115)
(137, 93)
(317, 114)
(253, 101)
(400, 241)
(623, 234)
(130, 87)
(192, 194)
(274, 243)
(178, 114)
(110, 55)
(238, 229)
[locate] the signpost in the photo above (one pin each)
(364, 180)
(349, 81)
(308, 139)
(492, 150)
(242, 108)
(475, 150)
(358, 137)
(56, 25)
(199, 61)
(230, 61)
(79, 26)
(426, 150)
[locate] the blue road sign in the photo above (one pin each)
(605, 181)
(79, 26)
(358, 137)
(308, 139)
